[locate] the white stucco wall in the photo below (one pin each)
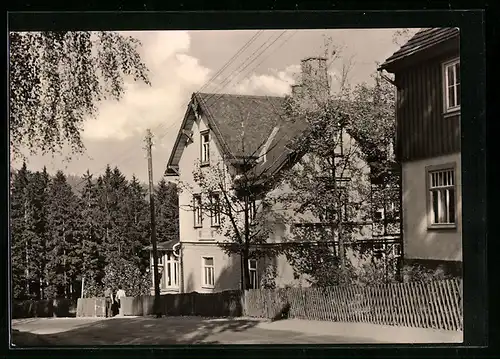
(421, 242)
(194, 246)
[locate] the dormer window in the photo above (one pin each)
(205, 147)
(266, 148)
(451, 77)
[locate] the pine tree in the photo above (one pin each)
(119, 190)
(91, 232)
(114, 202)
(138, 224)
(18, 214)
(167, 211)
(63, 262)
(38, 204)
(105, 203)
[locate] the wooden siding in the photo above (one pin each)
(423, 130)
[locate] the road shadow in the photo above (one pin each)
(140, 331)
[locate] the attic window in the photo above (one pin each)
(265, 149)
(205, 147)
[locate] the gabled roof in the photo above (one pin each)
(240, 123)
(423, 39)
(245, 122)
(238, 119)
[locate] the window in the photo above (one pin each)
(160, 257)
(442, 197)
(252, 268)
(208, 272)
(215, 209)
(172, 271)
(198, 214)
(452, 85)
(205, 147)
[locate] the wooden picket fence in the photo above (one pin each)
(436, 304)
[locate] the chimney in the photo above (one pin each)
(314, 87)
(315, 75)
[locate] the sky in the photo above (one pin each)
(182, 62)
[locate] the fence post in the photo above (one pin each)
(243, 302)
(461, 295)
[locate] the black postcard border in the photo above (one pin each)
(473, 131)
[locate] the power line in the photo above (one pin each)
(251, 41)
(221, 70)
(229, 79)
(225, 82)
(257, 65)
(225, 66)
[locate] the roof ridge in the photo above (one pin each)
(423, 39)
(240, 95)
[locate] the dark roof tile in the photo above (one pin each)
(245, 122)
(423, 39)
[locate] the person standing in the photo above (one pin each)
(119, 295)
(108, 295)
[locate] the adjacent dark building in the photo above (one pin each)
(427, 77)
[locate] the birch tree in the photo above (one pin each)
(58, 79)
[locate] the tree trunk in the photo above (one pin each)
(64, 262)
(338, 210)
(246, 272)
(246, 247)
(26, 255)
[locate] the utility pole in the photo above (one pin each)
(156, 304)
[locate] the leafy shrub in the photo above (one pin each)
(268, 279)
(374, 272)
(127, 274)
(419, 273)
(92, 289)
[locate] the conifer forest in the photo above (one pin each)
(67, 230)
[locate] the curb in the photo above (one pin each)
(382, 333)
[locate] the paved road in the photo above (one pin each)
(171, 330)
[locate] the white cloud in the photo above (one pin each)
(174, 76)
(276, 82)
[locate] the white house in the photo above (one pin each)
(217, 127)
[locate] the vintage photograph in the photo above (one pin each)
(235, 187)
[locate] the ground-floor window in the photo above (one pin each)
(442, 196)
(168, 270)
(208, 275)
(171, 271)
